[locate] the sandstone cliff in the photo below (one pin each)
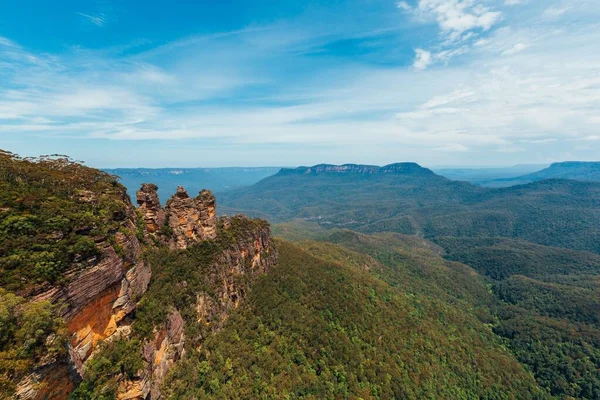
(249, 255)
(245, 252)
(108, 274)
(100, 293)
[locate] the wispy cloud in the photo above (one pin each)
(457, 18)
(520, 84)
(96, 19)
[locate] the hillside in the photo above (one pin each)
(576, 170)
(194, 179)
(414, 200)
(548, 319)
(327, 327)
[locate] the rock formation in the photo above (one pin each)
(161, 353)
(104, 290)
(150, 208)
(191, 220)
(229, 278)
(407, 168)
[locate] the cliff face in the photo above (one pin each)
(166, 347)
(246, 253)
(249, 256)
(191, 220)
(101, 292)
(93, 270)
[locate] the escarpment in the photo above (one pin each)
(249, 254)
(211, 272)
(76, 257)
(95, 296)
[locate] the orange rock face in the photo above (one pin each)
(103, 291)
(95, 322)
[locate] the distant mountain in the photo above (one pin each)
(485, 176)
(410, 199)
(576, 170)
(193, 179)
(408, 168)
(347, 195)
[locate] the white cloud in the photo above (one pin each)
(555, 12)
(404, 6)
(456, 17)
(422, 59)
(515, 49)
(5, 42)
(98, 19)
(453, 148)
(460, 23)
(525, 85)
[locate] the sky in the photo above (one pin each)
(254, 83)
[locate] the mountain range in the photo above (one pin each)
(377, 283)
(410, 199)
(576, 170)
(226, 179)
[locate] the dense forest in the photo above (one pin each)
(327, 327)
(541, 301)
(46, 235)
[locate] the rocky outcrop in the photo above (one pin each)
(150, 208)
(103, 291)
(191, 220)
(52, 380)
(248, 255)
(103, 296)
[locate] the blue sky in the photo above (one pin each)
(249, 83)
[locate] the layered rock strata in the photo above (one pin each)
(101, 292)
(251, 255)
